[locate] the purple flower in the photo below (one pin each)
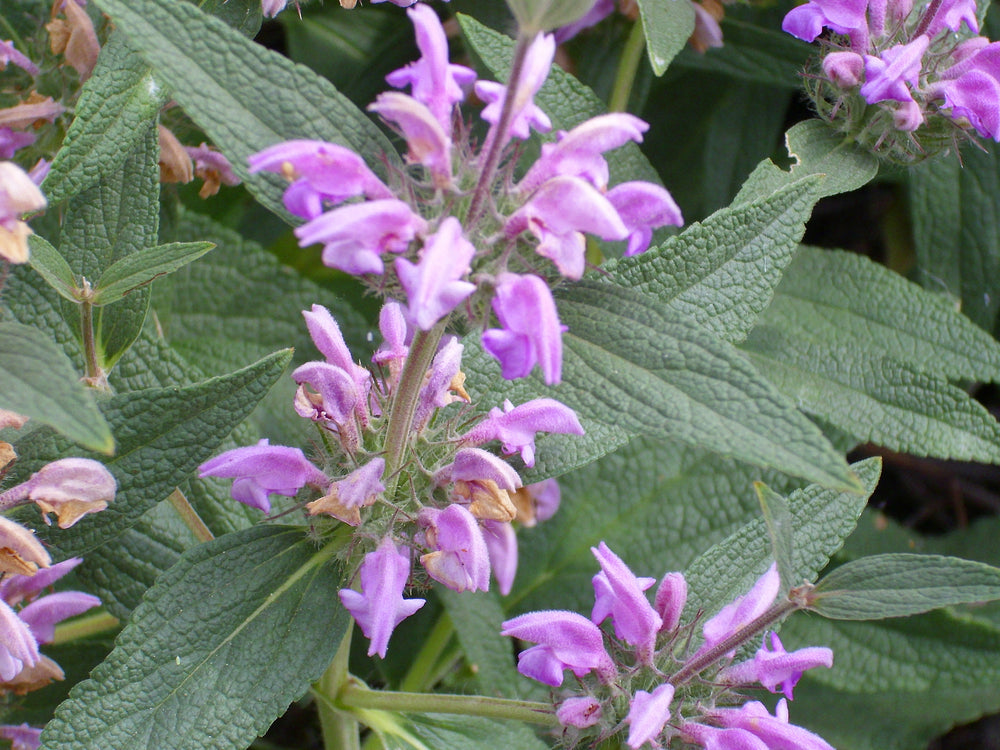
(432, 79)
(320, 172)
(355, 236)
(971, 87)
(337, 398)
(581, 712)
(501, 543)
(20, 551)
(707, 32)
(643, 207)
(11, 141)
(558, 213)
(71, 488)
(261, 470)
(565, 640)
(358, 489)
(600, 10)
(530, 333)
(886, 76)
(325, 333)
(432, 286)
(578, 152)
(774, 731)
(524, 115)
(18, 647)
(515, 427)
(648, 714)
(10, 56)
(444, 375)
(395, 336)
(42, 614)
(618, 593)
(212, 167)
(713, 738)
(743, 610)
(460, 559)
(17, 588)
(22, 737)
(776, 667)
(671, 596)
(844, 68)
(951, 14)
(806, 22)
(271, 8)
(428, 142)
(18, 195)
(379, 607)
(474, 464)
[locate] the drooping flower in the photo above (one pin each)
(212, 167)
(531, 332)
(433, 287)
(515, 426)
(18, 647)
(618, 594)
(379, 607)
(20, 551)
(743, 610)
(261, 470)
(566, 640)
(42, 615)
(887, 76)
(18, 195)
(460, 559)
(648, 714)
(524, 113)
(347, 496)
(429, 143)
(580, 712)
(643, 207)
(74, 37)
(501, 542)
(70, 487)
(432, 79)
(774, 731)
(356, 236)
(775, 667)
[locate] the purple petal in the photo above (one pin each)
(671, 596)
(743, 610)
(648, 714)
(43, 614)
(619, 593)
(515, 427)
(566, 640)
(362, 485)
(18, 648)
(643, 207)
(582, 712)
(461, 560)
(501, 542)
(531, 330)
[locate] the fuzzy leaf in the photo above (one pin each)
(37, 380)
(140, 268)
(162, 434)
(264, 605)
(220, 78)
(781, 532)
(843, 299)
(667, 26)
(52, 266)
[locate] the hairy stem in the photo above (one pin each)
(341, 731)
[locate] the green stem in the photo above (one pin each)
(12, 33)
(84, 626)
(628, 66)
(404, 401)
(354, 695)
(190, 516)
(419, 674)
(89, 339)
(341, 731)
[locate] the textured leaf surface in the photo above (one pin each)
(667, 26)
(38, 381)
(116, 106)
(844, 299)
(630, 362)
(162, 434)
(563, 98)
(880, 586)
(875, 398)
(52, 266)
(723, 271)
(221, 78)
(263, 603)
(140, 268)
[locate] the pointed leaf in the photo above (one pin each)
(38, 381)
(220, 78)
(53, 267)
(896, 585)
(263, 605)
(780, 530)
(667, 26)
(140, 268)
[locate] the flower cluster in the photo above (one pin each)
(669, 693)
(456, 504)
(932, 80)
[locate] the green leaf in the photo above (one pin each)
(871, 308)
(162, 435)
(38, 381)
(53, 267)
(897, 585)
(814, 149)
(875, 398)
(220, 78)
(955, 210)
(781, 532)
(562, 97)
(116, 106)
(723, 272)
(667, 26)
(630, 362)
(140, 268)
(822, 519)
(263, 605)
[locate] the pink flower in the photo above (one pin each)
(774, 731)
(643, 207)
(460, 559)
(429, 144)
(565, 640)
(501, 542)
(433, 285)
(581, 712)
(776, 667)
(9, 55)
(42, 614)
(743, 610)
(515, 427)
(618, 594)
(886, 77)
(524, 114)
(671, 596)
(379, 607)
(648, 714)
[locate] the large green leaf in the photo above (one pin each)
(140, 268)
(221, 79)
(162, 434)
(846, 300)
(37, 380)
(876, 398)
(220, 646)
(667, 27)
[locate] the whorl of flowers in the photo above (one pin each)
(906, 79)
